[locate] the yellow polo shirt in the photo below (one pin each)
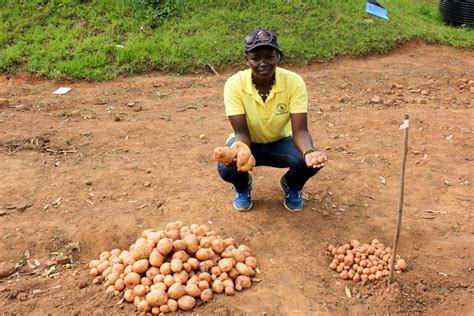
(268, 121)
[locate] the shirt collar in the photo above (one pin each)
(247, 85)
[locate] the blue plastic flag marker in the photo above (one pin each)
(377, 10)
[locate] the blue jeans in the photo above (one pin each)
(280, 154)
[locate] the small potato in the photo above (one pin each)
(234, 273)
(217, 286)
(356, 277)
(158, 278)
(203, 285)
(187, 267)
(229, 291)
(173, 305)
(204, 276)
(401, 264)
(186, 302)
(164, 309)
(238, 147)
(206, 295)
(165, 268)
(156, 298)
(224, 155)
(203, 254)
(194, 263)
(168, 280)
(103, 266)
(104, 256)
(94, 264)
(156, 258)
(371, 250)
(176, 291)
(238, 255)
(173, 235)
(378, 275)
(146, 281)
(226, 264)
(179, 245)
(143, 307)
(110, 289)
(248, 165)
(218, 245)
(349, 259)
(139, 290)
(193, 290)
(243, 281)
(181, 276)
(176, 265)
(132, 279)
(182, 255)
(192, 242)
(128, 295)
(164, 246)
(140, 266)
(205, 242)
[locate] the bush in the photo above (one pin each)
(158, 10)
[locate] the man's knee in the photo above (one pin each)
(302, 167)
(226, 172)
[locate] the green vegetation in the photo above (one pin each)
(82, 38)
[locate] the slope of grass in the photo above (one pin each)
(101, 39)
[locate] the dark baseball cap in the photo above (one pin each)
(261, 38)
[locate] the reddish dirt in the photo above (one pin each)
(51, 146)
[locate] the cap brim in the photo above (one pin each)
(262, 45)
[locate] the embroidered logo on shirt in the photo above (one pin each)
(282, 108)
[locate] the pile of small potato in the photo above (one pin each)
(364, 262)
(172, 268)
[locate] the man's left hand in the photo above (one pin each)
(317, 159)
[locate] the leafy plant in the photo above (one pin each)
(158, 10)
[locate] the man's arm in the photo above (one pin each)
(241, 129)
(304, 141)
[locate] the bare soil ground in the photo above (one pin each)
(74, 169)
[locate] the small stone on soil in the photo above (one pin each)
(62, 260)
(376, 99)
(6, 269)
(4, 103)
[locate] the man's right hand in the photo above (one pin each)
(245, 160)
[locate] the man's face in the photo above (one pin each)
(262, 61)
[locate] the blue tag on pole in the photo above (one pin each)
(376, 10)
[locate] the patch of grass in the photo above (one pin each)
(84, 38)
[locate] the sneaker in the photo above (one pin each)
(243, 200)
(292, 199)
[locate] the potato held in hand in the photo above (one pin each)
(245, 161)
(224, 155)
(237, 147)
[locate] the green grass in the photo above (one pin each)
(78, 38)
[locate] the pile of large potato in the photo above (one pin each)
(364, 262)
(169, 269)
